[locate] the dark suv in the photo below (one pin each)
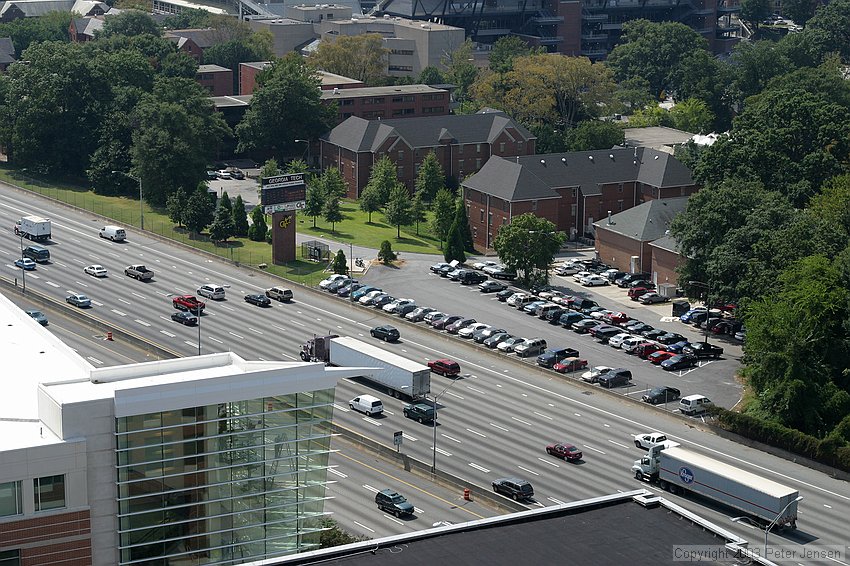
(514, 488)
(614, 378)
(393, 502)
(421, 412)
(552, 356)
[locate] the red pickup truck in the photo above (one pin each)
(188, 303)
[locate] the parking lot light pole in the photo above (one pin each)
(141, 202)
(306, 151)
(707, 287)
(436, 399)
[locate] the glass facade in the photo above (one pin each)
(10, 499)
(226, 483)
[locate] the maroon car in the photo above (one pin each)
(565, 451)
(445, 367)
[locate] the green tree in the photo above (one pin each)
(370, 201)
(653, 51)
(361, 57)
(633, 93)
(430, 178)
(339, 264)
(398, 211)
(828, 30)
(258, 229)
(226, 203)
(315, 202)
(383, 178)
(176, 205)
(188, 19)
(443, 208)
(528, 245)
(270, 168)
(199, 210)
(332, 212)
(222, 228)
(240, 217)
(431, 76)
(333, 535)
(179, 64)
(461, 70)
(595, 134)
(692, 115)
(754, 12)
(52, 26)
(454, 244)
(286, 107)
(800, 11)
(650, 116)
(333, 183)
(462, 221)
(755, 64)
(129, 23)
(505, 50)
(418, 210)
(386, 253)
(229, 54)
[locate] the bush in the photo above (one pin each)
(386, 253)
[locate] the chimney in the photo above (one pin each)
(609, 218)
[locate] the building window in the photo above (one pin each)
(620, 205)
(403, 68)
(460, 164)
(573, 210)
(620, 188)
(396, 99)
(534, 205)
(10, 499)
(483, 198)
(49, 492)
(460, 150)
(519, 146)
(575, 193)
(490, 219)
(478, 148)
(482, 215)
(400, 170)
(477, 164)
(400, 155)
(346, 102)
(10, 558)
(501, 147)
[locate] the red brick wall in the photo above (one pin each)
(570, 28)
(63, 538)
(616, 250)
(664, 264)
(369, 107)
(247, 79)
(218, 83)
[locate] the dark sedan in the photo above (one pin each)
(661, 394)
(505, 295)
(184, 317)
(679, 361)
(446, 321)
(386, 333)
(670, 338)
(348, 289)
(495, 339)
(703, 350)
(491, 287)
(259, 300)
(550, 357)
(379, 302)
(455, 327)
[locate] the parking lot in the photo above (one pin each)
(713, 378)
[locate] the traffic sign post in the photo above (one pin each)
(397, 439)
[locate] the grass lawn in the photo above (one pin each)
(356, 229)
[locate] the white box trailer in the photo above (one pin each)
(400, 376)
(680, 470)
(33, 228)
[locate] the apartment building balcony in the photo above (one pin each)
(545, 17)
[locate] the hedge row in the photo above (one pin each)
(831, 450)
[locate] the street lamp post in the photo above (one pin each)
(436, 399)
(307, 151)
(707, 287)
(770, 526)
(141, 202)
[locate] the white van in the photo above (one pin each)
(211, 291)
(694, 404)
(114, 233)
(367, 404)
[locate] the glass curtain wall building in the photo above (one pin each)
(223, 483)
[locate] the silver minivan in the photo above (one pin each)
(211, 291)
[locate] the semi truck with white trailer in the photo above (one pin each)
(33, 228)
(398, 375)
(679, 470)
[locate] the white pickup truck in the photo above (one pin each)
(648, 439)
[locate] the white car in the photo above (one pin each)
(550, 295)
(433, 317)
(480, 265)
(594, 281)
(491, 269)
(223, 174)
(630, 343)
(365, 299)
(397, 304)
(468, 331)
(325, 282)
(515, 298)
(599, 315)
(95, 270)
(568, 269)
(594, 372)
(617, 340)
(581, 275)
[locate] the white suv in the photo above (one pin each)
(211, 291)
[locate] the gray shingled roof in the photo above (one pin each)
(357, 134)
(668, 243)
(34, 8)
(203, 38)
(7, 50)
(578, 170)
(646, 222)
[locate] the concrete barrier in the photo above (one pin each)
(423, 470)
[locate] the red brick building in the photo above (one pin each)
(462, 144)
(193, 42)
(216, 79)
(572, 190)
(627, 240)
(403, 101)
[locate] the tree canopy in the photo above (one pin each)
(528, 245)
(361, 57)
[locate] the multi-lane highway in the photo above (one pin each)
(495, 421)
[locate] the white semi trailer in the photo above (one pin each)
(679, 470)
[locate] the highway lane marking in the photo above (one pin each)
(476, 432)
(393, 519)
(298, 323)
(494, 425)
(337, 472)
(192, 344)
(95, 360)
(119, 313)
(542, 415)
(126, 302)
(594, 449)
(96, 303)
(236, 335)
(139, 295)
(363, 526)
(418, 510)
(370, 488)
(214, 339)
(551, 463)
(556, 501)
(527, 470)
(389, 412)
(231, 309)
(52, 284)
(372, 421)
(280, 327)
(618, 444)
(477, 467)
(522, 421)
(255, 331)
(441, 451)
(476, 390)
(455, 395)
(450, 438)
(80, 283)
(169, 334)
(407, 436)
(827, 506)
(142, 322)
(33, 275)
(285, 355)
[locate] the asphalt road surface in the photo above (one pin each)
(493, 422)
